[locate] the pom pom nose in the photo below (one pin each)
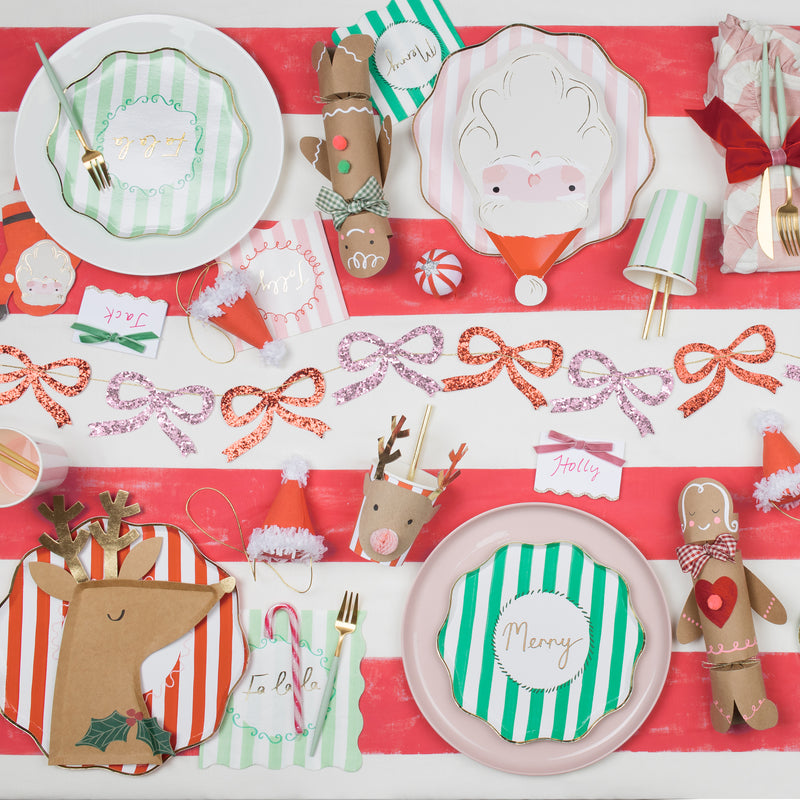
(383, 541)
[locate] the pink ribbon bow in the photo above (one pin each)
(563, 442)
(692, 557)
(157, 402)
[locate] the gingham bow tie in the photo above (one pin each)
(692, 557)
(368, 198)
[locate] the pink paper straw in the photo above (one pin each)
(294, 627)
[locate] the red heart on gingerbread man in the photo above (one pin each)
(716, 600)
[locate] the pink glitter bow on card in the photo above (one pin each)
(269, 404)
(507, 358)
(32, 376)
(563, 442)
(388, 354)
(692, 557)
(723, 360)
(155, 401)
(617, 383)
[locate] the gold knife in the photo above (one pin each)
(764, 224)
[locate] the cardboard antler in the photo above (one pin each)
(446, 477)
(385, 454)
(110, 539)
(65, 546)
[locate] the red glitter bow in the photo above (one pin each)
(32, 375)
(505, 357)
(746, 154)
(723, 360)
(563, 442)
(269, 404)
(692, 557)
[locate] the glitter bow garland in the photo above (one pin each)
(692, 557)
(269, 404)
(368, 198)
(793, 372)
(33, 375)
(507, 358)
(388, 354)
(723, 360)
(563, 442)
(617, 383)
(156, 401)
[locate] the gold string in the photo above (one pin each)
(201, 276)
(772, 503)
(243, 551)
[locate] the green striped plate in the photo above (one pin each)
(541, 641)
(171, 136)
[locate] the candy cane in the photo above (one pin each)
(294, 626)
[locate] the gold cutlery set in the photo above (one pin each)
(787, 219)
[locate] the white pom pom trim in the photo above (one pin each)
(770, 421)
(783, 483)
(272, 353)
(285, 544)
(229, 287)
(295, 468)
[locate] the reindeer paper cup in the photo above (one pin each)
(28, 466)
(392, 514)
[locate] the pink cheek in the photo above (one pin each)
(691, 523)
(717, 520)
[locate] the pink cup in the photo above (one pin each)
(50, 462)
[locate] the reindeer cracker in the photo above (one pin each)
(100, 714)
(394, 508)
(719, 606)
(350, 157)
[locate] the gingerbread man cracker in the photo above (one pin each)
(719, 606)
(350, 157)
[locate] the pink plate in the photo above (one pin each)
(468, 547)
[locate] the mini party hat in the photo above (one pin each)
(288, 534)
(230, 306)
(780, 485)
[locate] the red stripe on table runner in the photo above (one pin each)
(393, 724)
(671, 63)
(646, 513)
(590, 280)
(679, 722)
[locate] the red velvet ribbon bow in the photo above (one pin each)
(32, 375)
(270, 403)
(723, 360)
(505, 357)
(563, 442)
(746, 153)
(692, 557)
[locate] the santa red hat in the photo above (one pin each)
(230, 306)
(288, 534)
(780, 485)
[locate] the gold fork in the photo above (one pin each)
(786, 217)
(345, 623)
(92, 159)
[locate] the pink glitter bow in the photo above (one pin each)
(32, 375)
(617, 383)
(563, 442)
(388, 354)
(692, 557)
(157, 402)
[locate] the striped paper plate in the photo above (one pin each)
(186, 684)
(541, 641)
(171, 135)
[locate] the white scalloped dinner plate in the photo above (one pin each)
(465, 549)
(151, 255)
